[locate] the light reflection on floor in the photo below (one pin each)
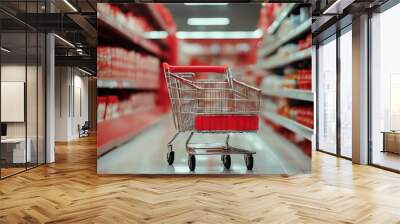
(146, 154)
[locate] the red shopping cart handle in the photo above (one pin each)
(214, 69)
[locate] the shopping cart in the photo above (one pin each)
(207, 99)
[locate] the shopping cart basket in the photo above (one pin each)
(207, 99)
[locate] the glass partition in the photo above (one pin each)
(346, 92)
(385, 89)
(15, 150)
(22, 88)
(327, 96)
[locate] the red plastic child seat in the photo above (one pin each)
(226, 122)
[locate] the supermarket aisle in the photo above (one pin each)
(146, 154)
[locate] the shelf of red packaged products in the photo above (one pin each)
(282, 15)
(112, 133)
(156, 12)
(164, 19)
(126, 26)
(295, 85)
(296, 94)
(287, 139)
(123, 69)
(124, 84)
(290, 124)
(122, 117)
(299, 30)
(278, 61)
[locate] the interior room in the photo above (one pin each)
(73, 96)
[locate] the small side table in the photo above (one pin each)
(391, 141)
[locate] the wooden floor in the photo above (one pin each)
(70, 191)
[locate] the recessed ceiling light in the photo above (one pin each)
(196, 4)
(220, 34)
(208, 21)
(84, 71)
(156, 35)
(65, 41)
(70, 5)
(5, 50)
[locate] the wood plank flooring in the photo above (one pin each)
(70, 191)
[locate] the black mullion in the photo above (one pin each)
(316, 103)
(0, 92)
(338, 98)
(37, 90)
(45, 88)
(26, 87)
(45, 95)
(369, 90)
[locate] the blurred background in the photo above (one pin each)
(267, 45)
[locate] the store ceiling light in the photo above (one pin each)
(70, 5)
(208, 21)
(206, 3)
(5, 50)
(64, 40)
(220, 34)
(156, 35)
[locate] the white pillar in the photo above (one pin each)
(50, 99)
(50, 92)
(360, 90)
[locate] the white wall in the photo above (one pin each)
(69, 82)
(16, 73)
(62, 81)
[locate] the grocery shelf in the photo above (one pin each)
(296, 94)
(290, 124)
(265, 51)
(117, 31)
(112, 133)
(159, 19)
(282, 16)
(279, 61)
(296, 155)
(151, 12)
(123, 84)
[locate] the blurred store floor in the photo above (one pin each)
(146, 154)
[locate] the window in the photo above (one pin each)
(346, 92)
(327, 96)
(385, 89)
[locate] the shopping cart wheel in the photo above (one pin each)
(227, 161)
(192, 162)
(222, 158)
(170, 157)
(249, 161)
